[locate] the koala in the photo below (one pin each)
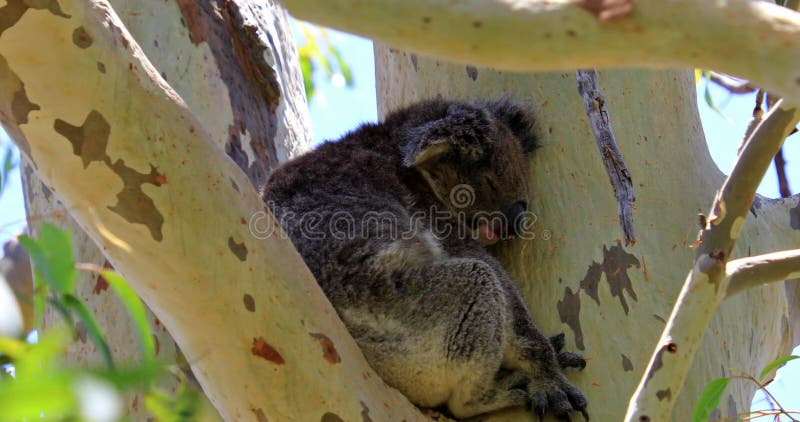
(392, 220)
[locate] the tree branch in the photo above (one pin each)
(617, 171)
(706, 284)
(568, 35)
(731, 84)
(755, 271)
(170, 209)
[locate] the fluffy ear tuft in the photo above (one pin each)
(464, 132)
(518, 118)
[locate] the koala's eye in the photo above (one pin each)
(492, 184)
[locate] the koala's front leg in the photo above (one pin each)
(530, 351)
(456, 310)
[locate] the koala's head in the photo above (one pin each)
(474, 159)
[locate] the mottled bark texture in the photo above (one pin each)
(131, 134)
(576, 275)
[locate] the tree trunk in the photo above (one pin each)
(134, 149)
(576, 275)
(192, 46)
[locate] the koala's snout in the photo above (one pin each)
(516, 218)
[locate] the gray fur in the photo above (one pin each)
(435, 315)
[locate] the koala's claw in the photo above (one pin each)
(557, 341)
(560, 397)
(571, 360)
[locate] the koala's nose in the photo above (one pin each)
(516, 218)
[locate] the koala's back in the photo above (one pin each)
(438, 319)
(323, 199)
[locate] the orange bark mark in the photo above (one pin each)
(606, 10)
(262, 349)
(329, 352)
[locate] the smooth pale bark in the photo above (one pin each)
(611, 300)
(547, 35)
(146, 180)
(193, 68)
(746, 273)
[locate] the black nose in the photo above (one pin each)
(516, 218)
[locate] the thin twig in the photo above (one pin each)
(763, 387)
(617, 171)
(731, 84)
(780, 169)
(780, 163)
(754, 271)
(755, 120)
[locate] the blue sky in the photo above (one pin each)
(335, 110)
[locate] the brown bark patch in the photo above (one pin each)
(329, 352)
(253, 89)
(331, 417)
(569, 309)
(100, 285)
(249, 302)
(262, 349)
(606, 10)
(156, 343)
(46, 192)
(11, 13)
(627, 365)
(657, 364)
(794, 217)
(21, 106)
(238, 249)
(81, 38)
(260, 416)
(365, 412)
(615, 265)
(132, 203)
(89, 141)
(80, 332)
(414, 61)
(472, 72)
(193, 20)
(664, 394)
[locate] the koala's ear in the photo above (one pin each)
(427, 154)
(464, 133)
(518, 118)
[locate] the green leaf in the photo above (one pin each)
(8, 165)
(39, 358)
(40, 292)
(92, 328)
(710, 101)
(183, 406)
(343, 67)
(12, 348)
(709, 399)
(307, 68)
(62, 310)
(776, 363)
(137, 311)
(52, 257)
(48, 396)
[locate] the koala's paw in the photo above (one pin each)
(557, 395)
